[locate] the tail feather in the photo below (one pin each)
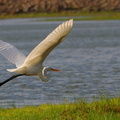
(11, 70)
(21, 70)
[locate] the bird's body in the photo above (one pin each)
(32, 64)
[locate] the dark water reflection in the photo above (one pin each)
(89, 60)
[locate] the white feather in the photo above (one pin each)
(12, 53)
(41, 51)
(32, 65)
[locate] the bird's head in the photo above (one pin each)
(47, 69)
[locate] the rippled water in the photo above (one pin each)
(89, 60)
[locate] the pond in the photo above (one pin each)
(89, 60)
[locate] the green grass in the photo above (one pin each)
(76, 15)
(108, 109)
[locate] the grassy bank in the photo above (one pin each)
(108, 109)
(80, 15)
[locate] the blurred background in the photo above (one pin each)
(26, 6)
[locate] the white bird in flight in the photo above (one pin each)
(32, 64)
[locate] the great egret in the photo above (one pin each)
(32, 64)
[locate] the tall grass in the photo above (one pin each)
(108, 109)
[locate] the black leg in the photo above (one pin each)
(14, 76)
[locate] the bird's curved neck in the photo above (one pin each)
(44, 76)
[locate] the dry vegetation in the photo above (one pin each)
(27, 6)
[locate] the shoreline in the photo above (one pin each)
(77, 15)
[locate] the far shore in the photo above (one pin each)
(76, 15)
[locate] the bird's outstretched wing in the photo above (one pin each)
(41, 51)
(12, 53)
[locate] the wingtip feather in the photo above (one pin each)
(70, 22)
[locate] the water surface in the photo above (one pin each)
(89, 60)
